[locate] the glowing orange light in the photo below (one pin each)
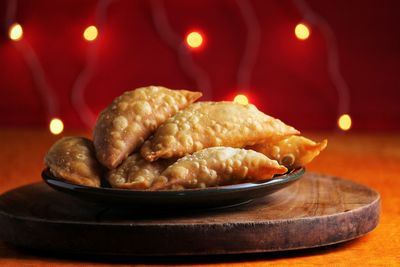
(241, 99)
(301, 31)
(194, 39)
(56, 126)
(344, 122)
(15, 32)
(90, 33)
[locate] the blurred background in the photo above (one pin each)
(318, 65)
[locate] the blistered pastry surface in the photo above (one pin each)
(209, 124)
(73, 159)
(132, 117)
(217, 166)
(294, 151)
(136, 173)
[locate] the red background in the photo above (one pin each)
(290, 79)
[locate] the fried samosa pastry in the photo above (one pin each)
(136, 173)
(73, 159)
(132, 117)
(210, 124)
(217, 166)
(292, 152)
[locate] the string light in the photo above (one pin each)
(90, 33)
(77, 91)
(301, 31)
(87, 116)
(174, 40)
(56, 126)
(241, 99)
(194, 40)
(333, 61)
(344, 122)
(15, 32)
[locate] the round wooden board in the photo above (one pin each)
(317, 210)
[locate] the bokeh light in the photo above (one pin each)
(15, 32)
(194, 40)
(301, 31)
(241, 99)
(344, 122)
(56, 126)
(90, 33)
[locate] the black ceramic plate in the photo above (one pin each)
(204, 198)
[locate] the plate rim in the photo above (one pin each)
(292, 176)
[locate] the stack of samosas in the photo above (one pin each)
(155, 138)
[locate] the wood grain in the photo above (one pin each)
(316, 210)
(369, 159)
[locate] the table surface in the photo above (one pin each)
(368, 158)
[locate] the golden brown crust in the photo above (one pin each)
(136, 173)
(73, 159)
(293, 152)
(209, 124)
(217, 166)
(132, 118)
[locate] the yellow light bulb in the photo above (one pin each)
(90, 33)
(241, 99)
(15, 32)
(344, 122)
(56, 126)
(194, 39)
(301, 31)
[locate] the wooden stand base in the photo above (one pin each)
(315, 211)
